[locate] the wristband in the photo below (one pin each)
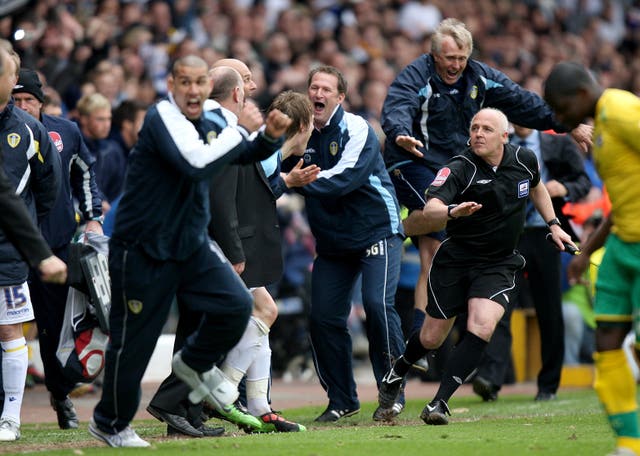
(553, 221)
(451, 207)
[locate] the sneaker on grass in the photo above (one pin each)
(9, 430)
(127, 438)
(331, 415)
(382, 414)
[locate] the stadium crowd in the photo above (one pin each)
(123, 49)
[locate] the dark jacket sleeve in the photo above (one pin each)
(402, 104)
(17, 225)
(46, 172)
(223, 227)
(521, 106)
(566, 165)
(83, 181)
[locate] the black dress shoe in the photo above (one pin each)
(544, 397)
(206, 431)
(179, 423)
(67, 418)
(485, 389)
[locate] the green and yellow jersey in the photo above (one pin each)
(616, 151)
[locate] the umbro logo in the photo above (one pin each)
(431, 408)
(483, 181)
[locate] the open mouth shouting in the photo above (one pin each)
(194, 106)
(318, 108)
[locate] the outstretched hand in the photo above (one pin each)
(299, 176)
(465, 209)
(410, 144)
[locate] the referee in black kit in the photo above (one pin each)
(481, 196)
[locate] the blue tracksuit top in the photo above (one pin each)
(352, 204)
(78, 180)
(33, 166)
(419, 104)
(165, 206)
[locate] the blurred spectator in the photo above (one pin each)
(577, 305)
(94, 118)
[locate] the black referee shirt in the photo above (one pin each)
(493, 231)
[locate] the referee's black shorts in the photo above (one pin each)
(453, 282)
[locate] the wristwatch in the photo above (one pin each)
(553, 221)
(99, 219)
(451, 207)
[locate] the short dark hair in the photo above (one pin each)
(566, 78)
(295, 105)
(127, 110)
(191, 61)
(342, 82)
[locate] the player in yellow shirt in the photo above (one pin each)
(574, 95)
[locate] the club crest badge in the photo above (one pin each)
(474, 92)
(211, 136)
(13, 139)
(134, 306)
(333, 148)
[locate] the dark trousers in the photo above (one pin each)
(333, 279)
(172, 394)
(142, 290)
(543, 273)
(49, 301)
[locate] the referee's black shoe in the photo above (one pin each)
(389, 389)
(435, 412)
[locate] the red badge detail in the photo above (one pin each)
(57, 140)
(441, 177)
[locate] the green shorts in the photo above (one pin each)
(617, 297)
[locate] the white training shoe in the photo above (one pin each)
(9, 430)
(125, 438)
(212, 386)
